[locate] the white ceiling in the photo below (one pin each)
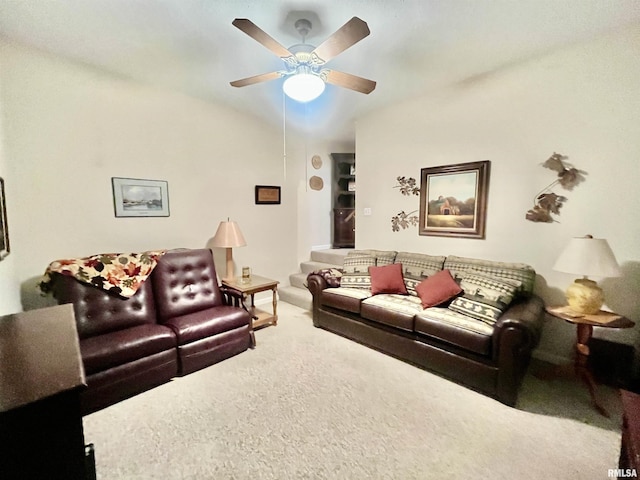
(415, 46)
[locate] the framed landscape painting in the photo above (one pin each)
(453, 200)
(133, 197)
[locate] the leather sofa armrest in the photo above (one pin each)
(526, 316)
(316, 284)
(516, 334)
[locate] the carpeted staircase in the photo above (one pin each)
(296, 293)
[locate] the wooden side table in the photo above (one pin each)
(584, 325)
(255, 285)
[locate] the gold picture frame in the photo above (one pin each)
(453, 200)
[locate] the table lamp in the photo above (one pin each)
(228, 236)
(587, 256)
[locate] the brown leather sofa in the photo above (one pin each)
(493, 361)
(179, 321)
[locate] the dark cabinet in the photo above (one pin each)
(41, 376)
(344, 200)
(344, 227)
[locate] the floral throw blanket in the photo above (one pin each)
(118, 273)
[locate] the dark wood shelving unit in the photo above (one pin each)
(344, 200)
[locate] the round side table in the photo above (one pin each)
(584, 325)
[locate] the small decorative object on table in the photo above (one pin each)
(246, 275)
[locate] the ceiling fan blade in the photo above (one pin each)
(259, 35)
(265, 77)
(349, 81)
(346, 36)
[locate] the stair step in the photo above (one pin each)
(298, 280)
(308, 267)
(301, 297)
(332, 256)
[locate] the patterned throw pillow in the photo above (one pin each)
(437, 289)
(485, 298)
(416, 267)
(521, 272)
(355, 270)
(387, 279)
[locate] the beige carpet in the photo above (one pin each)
(308, 404)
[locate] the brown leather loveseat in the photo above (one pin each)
(179, 321)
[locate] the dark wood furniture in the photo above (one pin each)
(584, 326)
(344, 199)
(344, 227)
(41, 377)
(630, 444)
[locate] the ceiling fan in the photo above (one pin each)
(304, 63)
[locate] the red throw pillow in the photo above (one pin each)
(387, 279)
(437, 289)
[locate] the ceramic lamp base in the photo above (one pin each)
(585, 296)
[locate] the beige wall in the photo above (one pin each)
(67, 129)
(9, 284)
(583, 102)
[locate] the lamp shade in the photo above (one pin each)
(588, 256)
(228, 235)
(303, 87)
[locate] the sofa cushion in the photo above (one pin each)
(387, 279)
(416, 267)
(391, 309)
(207, 323)
(355, 270)
(514, 271)
(485, 298)
(455, 328)
(112, 349)
(383, 257)
(437, 289)
(184, 282)
(344, 298)
(98, 312)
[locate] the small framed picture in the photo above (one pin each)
(4, 231)
(134, 197)
(267, 195)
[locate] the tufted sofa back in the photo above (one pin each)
(185, 281)
(98, 312)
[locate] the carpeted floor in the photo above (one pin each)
(308, 404)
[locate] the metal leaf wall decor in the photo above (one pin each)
(403, 220)
(546, 203)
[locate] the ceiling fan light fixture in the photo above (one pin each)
(303, 87)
